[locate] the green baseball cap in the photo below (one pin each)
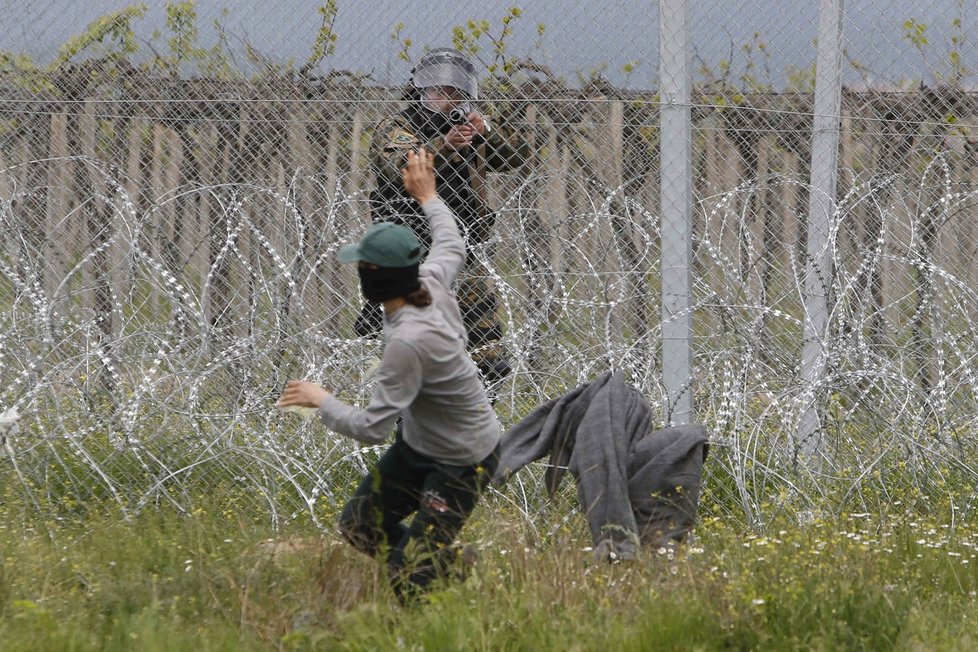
(384, 244)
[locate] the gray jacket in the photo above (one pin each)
(634, 485)
(425, 375)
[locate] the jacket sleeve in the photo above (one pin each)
(398, 383)
(507, 148)
(447, 253)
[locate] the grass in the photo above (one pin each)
(216, 580)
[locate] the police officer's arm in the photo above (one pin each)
(506, 147)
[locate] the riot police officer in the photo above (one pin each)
(441, 117)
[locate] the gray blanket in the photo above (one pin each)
(634, 485)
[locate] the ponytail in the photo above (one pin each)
(419, 298)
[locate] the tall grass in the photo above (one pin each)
(218, 580)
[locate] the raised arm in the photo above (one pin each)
(447, 254)
(395, 138)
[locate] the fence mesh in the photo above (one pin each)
(176, 180)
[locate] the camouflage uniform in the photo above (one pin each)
(461, 178)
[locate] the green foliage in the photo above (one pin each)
(469, 38)
(916, 34)
(219, 63)
(957, 68)
(728, 81)
(593, 74)
(110, 37)
(181, 21)
(110, 40)
(404, 43)
(861, 69)
(951, 69)
(325, 43)
(756, 77)
(23, 72)
(726, 84)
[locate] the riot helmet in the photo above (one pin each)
(446, 67)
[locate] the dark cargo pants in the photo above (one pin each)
(441, 497)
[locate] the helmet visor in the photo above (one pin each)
(445, 73)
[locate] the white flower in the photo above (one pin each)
(8, 428)
(8, 422)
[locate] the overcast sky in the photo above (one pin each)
(580, 35)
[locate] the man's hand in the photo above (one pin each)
(419, 176)
(477, 123)
(460, 136)
(300, 393)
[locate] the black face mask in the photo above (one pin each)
(428, 123)
(386, 283)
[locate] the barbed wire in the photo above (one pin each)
(170, 400)
(167, 261)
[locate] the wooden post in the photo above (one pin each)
(969, 235)
(731, 174)
(358, 163)
(61, 231)
(10, 248)
(155, 242)
(608, 166)
(219, 292)
(301, 168)
(756, 253)
(174, 219)
(100, 226)
(787, 214)
(205, 159)
(243, 292)
(712, 221)
(850, 230)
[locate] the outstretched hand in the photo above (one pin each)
(419, 176)
(301, 393)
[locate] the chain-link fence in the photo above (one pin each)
(175, 182)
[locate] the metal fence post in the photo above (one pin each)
(676, 230)
(824, 172)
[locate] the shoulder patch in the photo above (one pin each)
(402, 137)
